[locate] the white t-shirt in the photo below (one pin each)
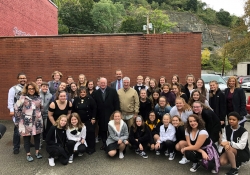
(202, 132)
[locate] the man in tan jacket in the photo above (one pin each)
(129, 102)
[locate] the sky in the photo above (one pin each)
(235, 7)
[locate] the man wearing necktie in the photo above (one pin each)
(118, 83)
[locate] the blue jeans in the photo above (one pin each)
(16, 138)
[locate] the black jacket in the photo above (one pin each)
(138, 88)
(186, 90)
(142, 136)
(212, 124)
(60, 138)
(145, 108)
(239, 101)
(180, 133)
(217, 102)
(85, 107)
(106, 107)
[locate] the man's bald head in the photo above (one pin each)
(103, 82)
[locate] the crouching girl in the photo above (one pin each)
(235, 143)
(139, 136)
(200, 146)
(118, 135)
(167, 139)
(76, 134)
(56, 140)
(180, 136)
(153, 123)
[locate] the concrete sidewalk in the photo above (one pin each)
(96, 164)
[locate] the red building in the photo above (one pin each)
(28, 17)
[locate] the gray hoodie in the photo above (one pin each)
(46, 97)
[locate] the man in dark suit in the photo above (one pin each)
(117, 84)
(107, 101)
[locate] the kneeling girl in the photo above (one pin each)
(76, 134)
(139, 136)
(235, 143)
(167, 139)
(118, 135)
(56, 140)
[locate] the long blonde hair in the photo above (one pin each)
(57, 123)
(186, 106)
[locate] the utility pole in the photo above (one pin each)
(147, 23)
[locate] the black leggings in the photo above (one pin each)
(90, 136)
(136, 144)
(26, 140)
(195, 157)
(58, 151)
(167, 145)
(71, 144)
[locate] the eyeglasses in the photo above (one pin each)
(22, 78)
(196, 106)
(31, 89)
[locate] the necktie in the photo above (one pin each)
(56, 85)
(119, 85)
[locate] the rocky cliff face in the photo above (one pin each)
(212, 35)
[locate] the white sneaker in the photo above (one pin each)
(184, 160)
(71, 158)
(80, 154)
(96, 140)
(166, 153)
(214, 171)
(51, 161)
(157, 153)
(171, 156)
(121, 156)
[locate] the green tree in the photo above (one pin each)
(161, 22)
(76, 16)
(138, 18)
(192, 5)
(107, 16)
(224, 18)
(62, 28)
(218, 59)
(208, 16)
(238, 48)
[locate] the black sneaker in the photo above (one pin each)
(137, 151)
(171, 156)
(143, 154)
(195, 166)
(233, 171)
(16, 151)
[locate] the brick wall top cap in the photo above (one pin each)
(102, 34)
(76, 35)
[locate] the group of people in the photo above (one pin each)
(164, 117)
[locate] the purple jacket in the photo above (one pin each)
(212, 154)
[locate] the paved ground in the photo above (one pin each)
(96, 164)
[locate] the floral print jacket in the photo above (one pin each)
(28, 116)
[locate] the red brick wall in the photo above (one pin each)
(28, 17)
(98, 55)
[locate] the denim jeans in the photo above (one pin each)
(16, 138)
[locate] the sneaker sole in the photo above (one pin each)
(70, 161)
(192, 170)
(183, 163)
